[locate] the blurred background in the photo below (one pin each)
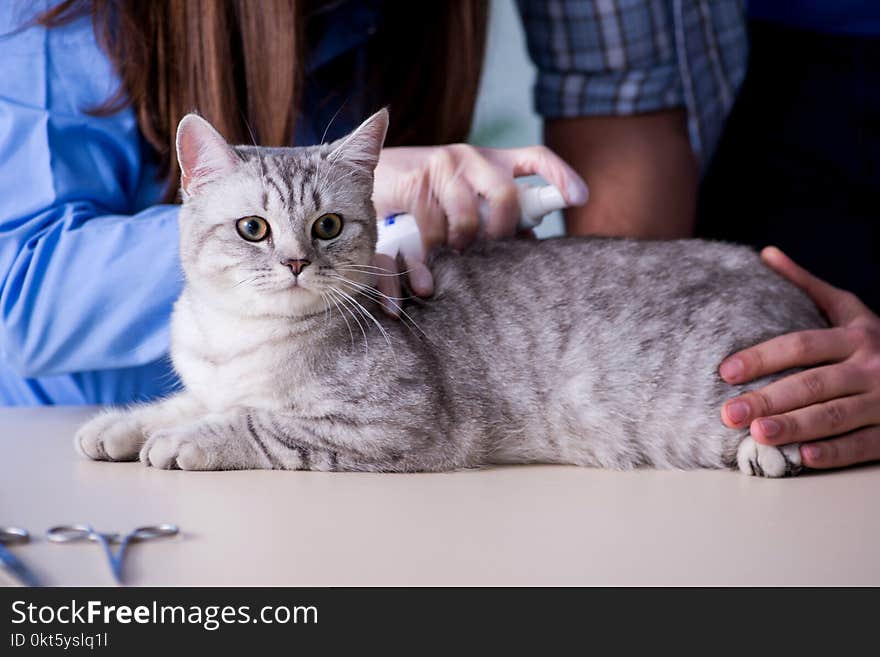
(505, 116)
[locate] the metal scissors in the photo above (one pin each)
(9, 562)
(75, 533)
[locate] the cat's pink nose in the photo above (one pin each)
(296, 265)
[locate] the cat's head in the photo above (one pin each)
(277, 230)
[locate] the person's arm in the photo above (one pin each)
(641, 171)
(86, 283)
(610, 90)
(83, 290)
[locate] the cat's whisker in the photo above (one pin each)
(378, 295)
(261, 275)
(328, 313)
(372, 291)
(354, 264)
(326, 172)
(366, 314)
(262, 281)
(341, 314)
(323, 296)
(257, 147)
(406, 319)
(368, 289)
(374, 273)
(338, 295)
(331, 159)
(351, 263)
(332, 119)
(250, 279)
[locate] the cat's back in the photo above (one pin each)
(692, 293)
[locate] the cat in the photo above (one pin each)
(589, 351)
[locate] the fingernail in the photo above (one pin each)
(769, 427)
(737, 412)
(732, 370)
(812, 452)
(578, 193)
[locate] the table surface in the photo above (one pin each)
(518, 525)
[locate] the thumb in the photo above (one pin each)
(840, 306)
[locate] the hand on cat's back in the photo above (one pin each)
(443, 186)
(833, 407)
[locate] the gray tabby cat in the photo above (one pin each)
(598, 352)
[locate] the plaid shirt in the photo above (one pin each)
(601, 57)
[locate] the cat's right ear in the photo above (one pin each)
(202, 152)
(363, 146)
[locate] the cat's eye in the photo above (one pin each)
(327, 226)
(252, 229)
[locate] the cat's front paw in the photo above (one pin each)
(215, 444)
(753, 458)
(111, 436)
(178, 449)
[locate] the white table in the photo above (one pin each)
(525, 525)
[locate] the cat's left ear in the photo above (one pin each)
(202, 152)
(363, 146)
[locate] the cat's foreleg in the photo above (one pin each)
(258, 439)
(118, 434)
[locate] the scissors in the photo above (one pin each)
(9, 562)
(75, 533)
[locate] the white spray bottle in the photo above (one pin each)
(399, 233)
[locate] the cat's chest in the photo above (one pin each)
(220, 382)
(230, 366)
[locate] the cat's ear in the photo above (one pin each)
(202, 152)
(363, 146)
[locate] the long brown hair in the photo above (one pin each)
(239, 63)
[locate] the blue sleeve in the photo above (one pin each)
(88, 267)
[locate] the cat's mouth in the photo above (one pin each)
(289, 286)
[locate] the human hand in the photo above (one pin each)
(443, 187)
(833, 407)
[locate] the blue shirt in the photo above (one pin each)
(88, 260)
(853, 17)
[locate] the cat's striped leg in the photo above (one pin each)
(118, 434)
(255, 439)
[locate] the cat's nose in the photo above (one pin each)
(296, 265)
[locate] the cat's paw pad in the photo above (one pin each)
(111, 436)
(173, 449)
(753, 458)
